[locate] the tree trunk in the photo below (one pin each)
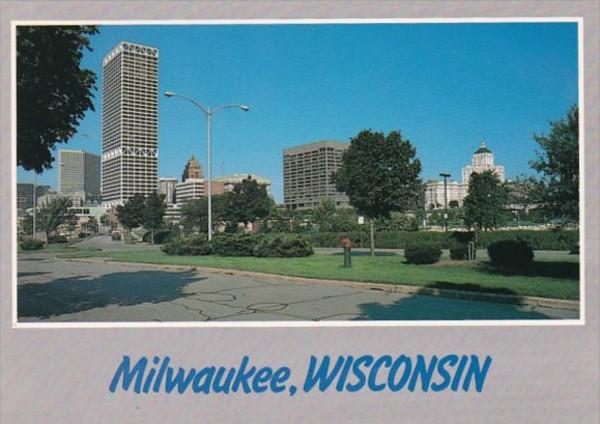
(372, 238)
(151, 235)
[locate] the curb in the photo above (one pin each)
(543, 302)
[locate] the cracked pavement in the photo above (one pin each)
(58, 290)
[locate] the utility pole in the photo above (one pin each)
(445, 176)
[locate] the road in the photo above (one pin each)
(59, 290)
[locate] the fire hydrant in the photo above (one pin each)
(347, 245)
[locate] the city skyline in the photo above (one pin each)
(445, 86)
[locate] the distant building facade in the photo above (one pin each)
(129, 123)
(166, 187)
(79, 172)
(25, 195)
(226, 183)
(192, 182)
(482, 160)
(307, 173)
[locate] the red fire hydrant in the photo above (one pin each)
(347, 245)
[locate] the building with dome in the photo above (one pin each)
(482, 160)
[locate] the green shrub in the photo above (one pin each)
(283, 247)
(58, 239)
(160, 236)
(193, 245)
(510, 253)
(422, 253)
(31, 244)
(537, 239)
(459, 251)
(234, 244)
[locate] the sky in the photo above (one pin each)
(446, 87)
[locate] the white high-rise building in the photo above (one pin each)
(482, 160)
(129, 122)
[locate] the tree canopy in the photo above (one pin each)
(485, 201)
(55, 213)
(131, 214)
(53, 92)
(247, 202)
(379, 173)
(558, 162)
(153, 213)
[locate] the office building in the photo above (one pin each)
(482, 160)
(192, 182)
(166, 187)
(79, 172)
(129, 123)
(25, 195)
(226, 183)
(307, 173)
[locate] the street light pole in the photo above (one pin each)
(445, 176)
(208, 112)
(34, 205)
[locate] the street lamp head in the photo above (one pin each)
(169, 93)
(244, 108)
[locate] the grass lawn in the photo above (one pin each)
(552, 276)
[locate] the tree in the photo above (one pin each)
(324, 214)
(558, 162)
(53, 92)
(53, 214)
(131, 214)
(91, 225)
(154, 211)
(380, 175)
(247, 202)
(485, 201)
(194, 214)
(453, 204)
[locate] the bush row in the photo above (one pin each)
(538, 240)
(31, 244)
(240, 245)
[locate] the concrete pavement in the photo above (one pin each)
(58, 290)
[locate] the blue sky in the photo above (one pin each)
(446, 87)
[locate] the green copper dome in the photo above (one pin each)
(482, 149)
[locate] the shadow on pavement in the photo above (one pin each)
(75, 294)
(446, 285)
(422, 307)
(31, 274)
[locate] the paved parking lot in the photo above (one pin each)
(55, 290)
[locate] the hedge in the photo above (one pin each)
(234, 244)
(538, 240)
(31, 244)
(510, 254)
(422, 253)
(160, 236)
(194, 245)
(283, 247)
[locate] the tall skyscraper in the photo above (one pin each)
(129, 122)
(79, 172)
(307, 173)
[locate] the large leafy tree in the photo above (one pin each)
(380, 175)
(485, 201)
(53, 92)
(55, 213)
(154, 211)
(324, 213)
(131, 214)
(558, 162)
(194, 214)
(247, 202)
